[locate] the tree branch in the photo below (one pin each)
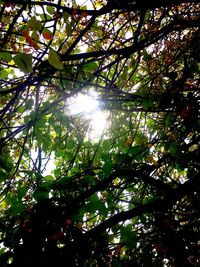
(125, 172)
(153, 206)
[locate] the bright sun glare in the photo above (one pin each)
(89, 107)
(83, 104)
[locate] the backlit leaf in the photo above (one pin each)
(128, 237)
(47, 34)
(24, 62)
(3, 175)
(35, 24)
(55, 60)
(5, 56)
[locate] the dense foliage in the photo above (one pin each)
(129, 195)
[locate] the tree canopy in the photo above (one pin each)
(127, 195)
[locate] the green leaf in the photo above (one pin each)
(35, 36)
(49, 178)
(134, 77)
(21, 191)
(46, 143)
(71, 144)
(17, 207)
(3, 74)
(5, 56)
(146, 56)
(96, 204)
(65, 16)
(55, 60)
(168, 119)
(174, 149)
(24, 62)
(29, 104)
(2, 251)
(78, 217)
(3, 175)
(88, 179)
(6, 162)
(107, 167)
(137, 152)
(141, 139)
(11, 240)
(147, 103)
(115, 228)
(128, 237)
(92, 66)
(34, 24)
(62, 183)
(68, 28)
(50, 9)
(42, 192)
(45, 17)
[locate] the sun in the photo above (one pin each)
(89, 107)
(84, 104)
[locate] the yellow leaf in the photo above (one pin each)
(149, 158)
(55, 60)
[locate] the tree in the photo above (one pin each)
(131, 196)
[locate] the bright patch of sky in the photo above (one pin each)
(87, 3)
